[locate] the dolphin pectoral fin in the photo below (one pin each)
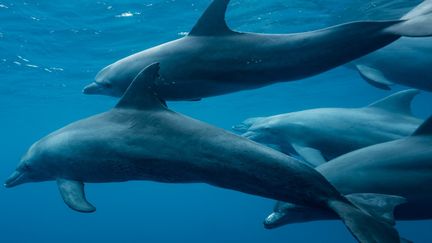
(399, 102)
(374, 77)
(378, 205)
(212, 21)
(311, 155)
(140, 95)
(73, 195)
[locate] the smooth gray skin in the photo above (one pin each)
(402, 167)
(141, 139)
(406, 62)
(214, 60)
(146, 141)
(322, 134)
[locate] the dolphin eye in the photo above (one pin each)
(26, 167)
(107, 85)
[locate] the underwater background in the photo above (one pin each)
(50, 49)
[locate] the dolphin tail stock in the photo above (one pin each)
(366, 224)
(416, 23)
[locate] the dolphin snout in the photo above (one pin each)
(240, 127)
(15, 179)
(250, 135)
(272, 221)
(92, 88)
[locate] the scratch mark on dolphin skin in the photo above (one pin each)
(22, 58)
(56, 69)
(32, 66)
(125, 14)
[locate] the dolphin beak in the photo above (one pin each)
(240, 127)
(92, 88)
(272, 220)
(15, 179)
(249, 135)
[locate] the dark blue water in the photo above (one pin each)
(50, 49)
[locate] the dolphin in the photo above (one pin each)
(141, 139)
(402, 167)
(213, 59)
(406, 61)
(321, 134)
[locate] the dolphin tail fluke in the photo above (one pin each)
(416, 23)
(380, 206)
(364, 227)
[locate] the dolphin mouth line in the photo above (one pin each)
(13, 180)
(249, 135)
(239, 128)
(91, 89)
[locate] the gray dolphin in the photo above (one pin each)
(214, 60)
(406, 61)
(140, 139)
(321, 134)
(402, 167)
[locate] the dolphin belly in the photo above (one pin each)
(199, 89)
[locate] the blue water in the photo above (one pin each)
(50, 49)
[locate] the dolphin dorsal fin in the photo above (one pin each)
(212, 21)
(399, 102)
(425, 128)
(140, 94)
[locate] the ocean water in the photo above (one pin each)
(50, 49)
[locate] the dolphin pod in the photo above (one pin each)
(379, 168)
(321, 134)
(141, 139)
(214, 60)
